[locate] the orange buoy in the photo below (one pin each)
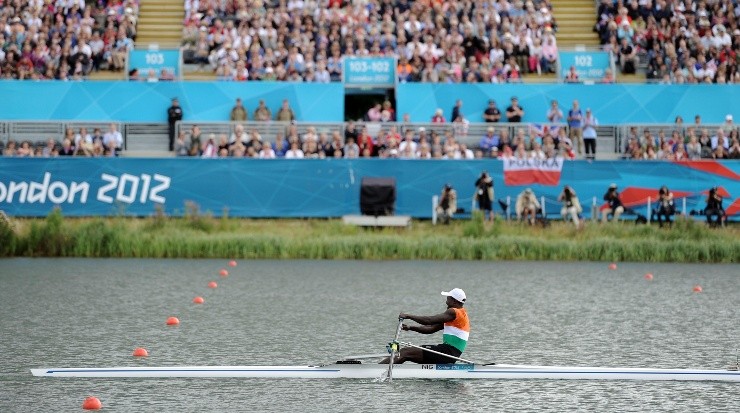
(92, 403)
(612, 266)
(140, 352)
(697, 288)
(232, 263)
(198, 300)
(212, 284)
(223, 272)
(649, 276)
(173, 321)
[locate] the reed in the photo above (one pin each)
(198, 235)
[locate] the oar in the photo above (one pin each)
(394, 349)
(436, 352)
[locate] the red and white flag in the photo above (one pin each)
(532, 171)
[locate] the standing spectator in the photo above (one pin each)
(484, 195)
(262, 112)
(285, 114)
(554, 115)
(514, 112)
(575, 126)
(174, 114)
(374, 113)
(457, 111)
(491, 114)
(589, 134)
(614, 204)
(238, 112)
(728, 126)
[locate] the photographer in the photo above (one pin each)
(571, 205)
(527, 206)
(447, 205)
(666, 207)
(614, 206)
(484, 194)
(714, 208)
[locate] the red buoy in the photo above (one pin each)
(92, 403)
(173, 321)
(697, 288)
(613, 266)
(140, 352)
(649, 276)
(198, 300)
(223, 272)
(232, 263)
(212, 284)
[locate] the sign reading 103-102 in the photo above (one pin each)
(369, 71)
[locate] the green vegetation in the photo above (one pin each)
(199, 235)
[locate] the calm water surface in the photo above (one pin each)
(93, 313)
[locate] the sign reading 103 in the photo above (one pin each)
(154, 58)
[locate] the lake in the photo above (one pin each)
(94, 312)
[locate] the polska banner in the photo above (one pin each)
(532, 171)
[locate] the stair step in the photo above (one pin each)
(156, 19)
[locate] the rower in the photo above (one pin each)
(456, 328)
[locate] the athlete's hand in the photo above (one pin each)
(403, 316)
(404, 327)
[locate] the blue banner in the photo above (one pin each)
(369, 71)
(327, 188)
(589, 65)
(148, 102)
(144, 60)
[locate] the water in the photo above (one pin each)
(93, 313)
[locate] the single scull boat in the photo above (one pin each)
(357, 370)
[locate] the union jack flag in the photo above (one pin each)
(541, 129)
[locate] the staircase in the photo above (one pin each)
(575, 20)
(161, 22)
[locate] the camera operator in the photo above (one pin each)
(666, 207)
(615, 206)
(447, 205)
(714, 208)
(571, 205)
(484, 194)
(527, 206)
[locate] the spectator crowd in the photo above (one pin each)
(65, 39)
(435, 41)
(681, 41)
(684, 142)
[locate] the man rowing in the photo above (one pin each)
(456, 329)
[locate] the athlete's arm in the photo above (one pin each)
(424, 329)
(448, 315)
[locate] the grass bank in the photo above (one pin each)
(201, 236)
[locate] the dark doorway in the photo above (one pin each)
(358, 101)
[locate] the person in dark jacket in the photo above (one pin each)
(174, 114)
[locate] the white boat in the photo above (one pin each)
(404, 371)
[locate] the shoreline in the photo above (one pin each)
(202, 236)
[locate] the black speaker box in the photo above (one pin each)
(378, 196)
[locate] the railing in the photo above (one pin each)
(41, 131)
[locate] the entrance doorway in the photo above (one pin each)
(358, 101)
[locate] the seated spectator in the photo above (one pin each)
(627, 58)
(447, 204)
(666, 206)
(526, 206)
(572, 76)
(613, 205)
(714, 210)
(438, 116)
(571, 206)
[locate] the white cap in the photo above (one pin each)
(728, 117)
(455, 293)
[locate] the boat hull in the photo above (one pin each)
(405, 371)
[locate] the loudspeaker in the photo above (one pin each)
(378, 196)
